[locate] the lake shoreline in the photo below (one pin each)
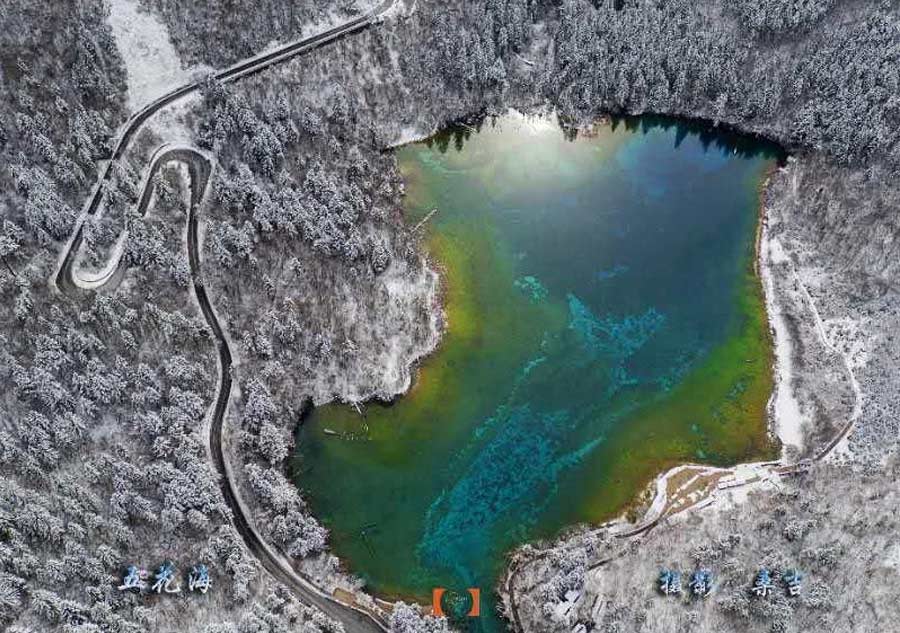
(437, 267)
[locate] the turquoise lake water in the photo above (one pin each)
(604, 323)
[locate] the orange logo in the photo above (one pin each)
(438, 593)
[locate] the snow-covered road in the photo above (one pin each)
(199, 165)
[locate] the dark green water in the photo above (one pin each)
(604, 323)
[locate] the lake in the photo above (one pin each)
(604, 322)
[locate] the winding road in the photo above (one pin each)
(200, 167)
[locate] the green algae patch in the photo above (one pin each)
(603, 323)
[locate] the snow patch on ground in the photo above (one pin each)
(788, 417)
(407, 136)
(892, 560)
(152, 64)
(843, 336)
(400, 9)
(851, 337)
(169, 122)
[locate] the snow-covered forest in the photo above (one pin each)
(106, 395)
(322, 291)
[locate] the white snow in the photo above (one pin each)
(892, 560)
(169, 122)
(152, 64)
(93, 279)
(851, 337)
(400, 8)
(407, 136)
(659, 499)
(788, 416)
(806, 279)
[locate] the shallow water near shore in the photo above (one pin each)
(604, 323)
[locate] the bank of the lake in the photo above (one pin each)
(604, 322)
